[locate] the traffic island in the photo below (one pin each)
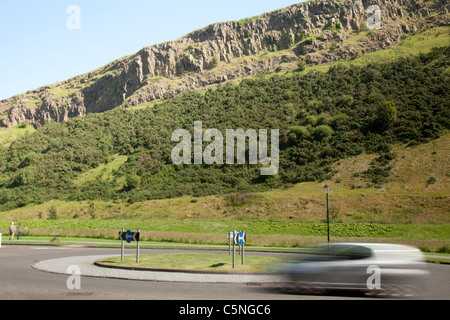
(213, 263)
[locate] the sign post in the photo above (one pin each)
(242, 261)
(229, 242)
(137, 246)
(129, 237)
(241, 240)
(234, 247)
(238, 238)
(121, 252)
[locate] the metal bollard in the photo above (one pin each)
(0, 240)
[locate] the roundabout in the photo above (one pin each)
(94, 266)
(47, 273)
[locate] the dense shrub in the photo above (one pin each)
(322, 117)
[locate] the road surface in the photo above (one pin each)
(19, 280)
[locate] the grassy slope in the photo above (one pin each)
(406, 209)
(9, 135)
(410, 45)
(103, 171)
(410, 196)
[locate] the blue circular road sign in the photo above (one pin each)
(241, 238)
(129, 236)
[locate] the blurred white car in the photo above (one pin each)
(372, 268)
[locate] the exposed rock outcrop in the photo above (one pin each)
(314, 30)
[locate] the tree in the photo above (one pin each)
(21, 179)
(385, 116)
(214, 62)
(132, 181)
(301, 65)
(297, 134)
(52, 213)
(310, 120)
(322, 133)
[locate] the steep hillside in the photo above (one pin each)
(314, 31)
(409, 196)
(125, 154)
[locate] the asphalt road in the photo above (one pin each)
(19, 281)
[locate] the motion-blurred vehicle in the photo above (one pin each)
(377, 269)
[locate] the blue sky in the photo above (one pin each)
(37, 48)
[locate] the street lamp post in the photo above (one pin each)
(327, 190)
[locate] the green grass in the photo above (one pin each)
(103, 172)
(241, 22)
(432, 254)
(405, 210)
(197, 261)
(413, 44)
(33, 104)
(438, 260)
(7, 136)
(439, 257)
(260, 233)
(99, 242)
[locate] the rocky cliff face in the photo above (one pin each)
(314, 31)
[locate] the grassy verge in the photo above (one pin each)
(427, 236)
(210, 229)
(433, 252)
(438, 258)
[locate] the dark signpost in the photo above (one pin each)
(129, 236)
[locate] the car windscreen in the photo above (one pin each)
(335, 253)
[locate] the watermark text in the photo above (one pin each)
(235, 152)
